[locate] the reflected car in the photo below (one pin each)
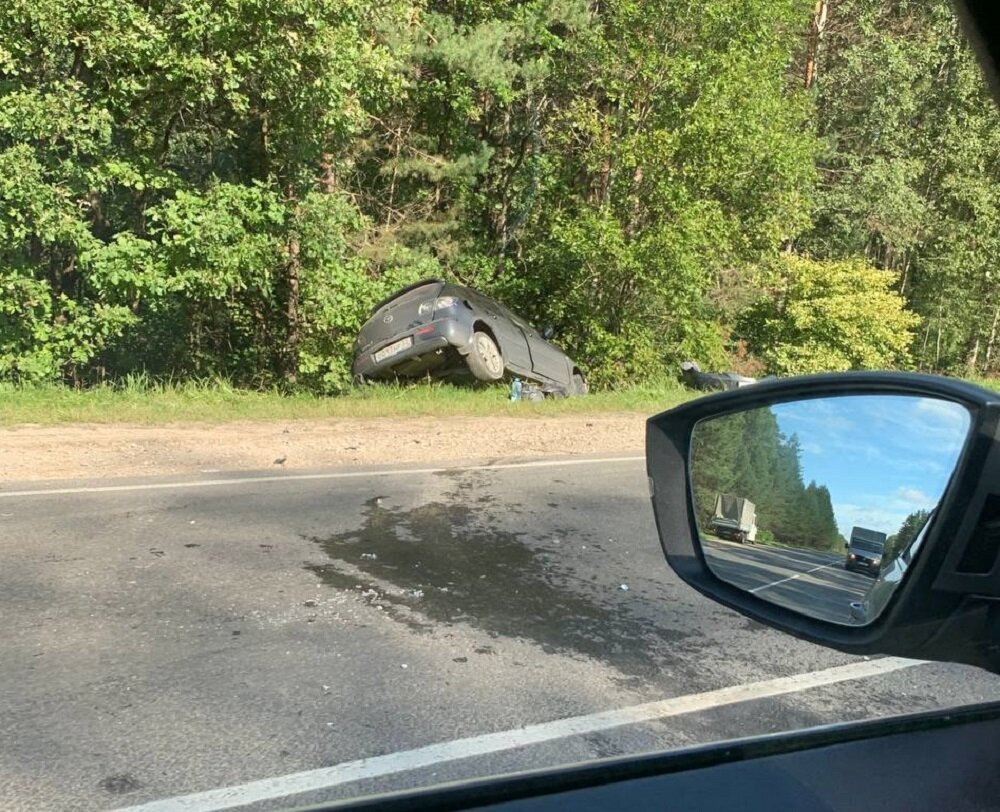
(445, 330)
(878, 596)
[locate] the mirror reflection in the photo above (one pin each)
(821, 505)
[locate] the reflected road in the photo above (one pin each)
(810, 581)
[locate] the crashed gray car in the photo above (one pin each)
(445, 330)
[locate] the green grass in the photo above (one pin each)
(139, 400)
(987, 383)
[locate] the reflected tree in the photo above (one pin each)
(746, 454)
(907, 532)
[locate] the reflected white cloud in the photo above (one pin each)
(874, 517)
(881, 457)
(915, 496)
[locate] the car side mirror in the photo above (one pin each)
(794, 501)
(548, 332)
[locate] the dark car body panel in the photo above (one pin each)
(396, 316)
(441, 338)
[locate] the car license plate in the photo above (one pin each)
(392, 349)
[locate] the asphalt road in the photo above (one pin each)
(184, 637)
(808, 581)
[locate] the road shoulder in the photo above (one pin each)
(104, 451)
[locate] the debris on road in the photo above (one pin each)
(693, 377)
(534, 392)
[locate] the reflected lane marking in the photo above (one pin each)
(422, 757)
(792, 577)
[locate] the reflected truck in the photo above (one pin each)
(865, 551)
(735, 518)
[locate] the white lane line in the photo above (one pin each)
(792, 577)
(253, 480)
(365, 768)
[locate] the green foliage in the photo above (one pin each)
(909, 176)
(832, 316)
(158, 168)
(338, 291)
(197, 189)
(665, 166)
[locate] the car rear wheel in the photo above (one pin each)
(579, 384)
(484, 359)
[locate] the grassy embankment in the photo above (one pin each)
(139, 400)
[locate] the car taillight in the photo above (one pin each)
(440, 303)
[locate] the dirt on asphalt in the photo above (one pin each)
(100, 451)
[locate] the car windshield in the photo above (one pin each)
(263, 550)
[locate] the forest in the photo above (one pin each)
(746, 454)
(899, 541)
(194, 189)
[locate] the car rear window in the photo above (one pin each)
(419, 290)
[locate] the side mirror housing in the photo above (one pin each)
(939, 601)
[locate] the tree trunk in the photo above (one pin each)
(816, 28)
(636, 215)
(937, 350)
(290, 362)
(263, 168)
(395, 175)
(602, 192)
(327, 174)
(992, 343)
(923, 348)
(972, 360)
(905, 277)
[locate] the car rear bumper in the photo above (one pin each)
(428, 340)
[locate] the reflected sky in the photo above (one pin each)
(882, 457)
